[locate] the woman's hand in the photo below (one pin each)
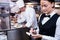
(36, 36)
(32, 31)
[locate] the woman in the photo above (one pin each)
(49, 22)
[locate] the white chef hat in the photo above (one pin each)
(14, 9)
(20, 3)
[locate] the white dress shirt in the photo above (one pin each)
(57, 32)
(30, 17)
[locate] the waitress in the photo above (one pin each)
(49, 23)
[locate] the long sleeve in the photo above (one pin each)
(32, 20)
(57, 32)
(31, 17)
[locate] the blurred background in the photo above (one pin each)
(31, 3)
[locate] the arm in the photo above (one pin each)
(31, 17)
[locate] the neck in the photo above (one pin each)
(50, 11)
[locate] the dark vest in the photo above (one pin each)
(49, 27)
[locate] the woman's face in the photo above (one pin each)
(46, 6)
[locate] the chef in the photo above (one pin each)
(27, 16)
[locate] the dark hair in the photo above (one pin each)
(50, 1)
